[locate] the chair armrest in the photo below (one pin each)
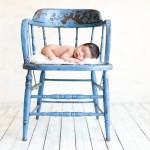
(25, 39)
(107, 25)
(108, 41)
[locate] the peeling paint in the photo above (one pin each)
(67, 17)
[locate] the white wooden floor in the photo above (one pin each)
(130, 129)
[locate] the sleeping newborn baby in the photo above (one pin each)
(71, 54)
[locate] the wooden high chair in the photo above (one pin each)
(77, 19)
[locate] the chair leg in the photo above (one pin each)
(40, 92)
(106, 104)
(27, 103)
(94, 90)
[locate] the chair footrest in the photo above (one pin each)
(66, 114)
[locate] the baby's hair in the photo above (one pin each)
(94, 49)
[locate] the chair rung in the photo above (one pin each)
(36, 86)
(100, 109)
(99, 86)
(67, 96)
(35, 109)
(66, 114)
(44, 101)
(79, 80)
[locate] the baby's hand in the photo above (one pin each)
(78, 61)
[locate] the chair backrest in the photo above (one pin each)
(67, 18)
(64, 18)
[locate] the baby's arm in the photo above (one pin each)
(71, 59)
(48, 52)
(68, 56)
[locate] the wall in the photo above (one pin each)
(129, 80)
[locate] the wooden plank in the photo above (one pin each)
(6, 105)
(130, 126)
(129, 133)
(141, 116)
(23, 145)
(7, 119)
(97, 138)
(114, 144)
(83, 141)
(11, 134)
(6, 110)
(3, 114)
(67, 132)
(40, 132)
(54, 130)
(120, 124)
(147, 106)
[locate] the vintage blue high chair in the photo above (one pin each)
(58, 19)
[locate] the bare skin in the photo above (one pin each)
(67, 53)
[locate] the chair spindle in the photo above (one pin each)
(102, 45)
(44, 36)
(33, 40)
(92, 34)
(59, 34)
(76, 40)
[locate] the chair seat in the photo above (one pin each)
(70, 67)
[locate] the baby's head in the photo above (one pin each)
(87, 50)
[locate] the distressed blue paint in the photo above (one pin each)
(76, 40)
(92, 34)
(108, 40)
(59, 35)
(96, 24)
(94, 90)
(27, 103)
(66, 114)
(25, 40)
(44, 36)
(44, 101)
(33, 40)
(106, 104)
(95, 67)
(67, 96)
(40, 91)
(66, 18)
(102, 45)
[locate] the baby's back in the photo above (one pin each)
(59, 50)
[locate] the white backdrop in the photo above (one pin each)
(130, 77)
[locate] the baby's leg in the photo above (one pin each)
(48, 52)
